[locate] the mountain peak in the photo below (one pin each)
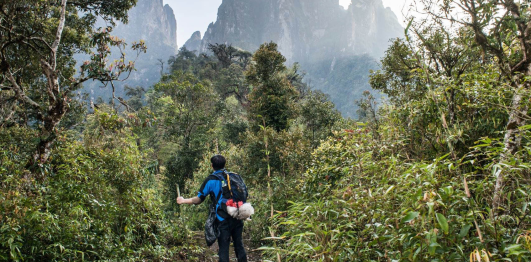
(194, 43)
(305, 30)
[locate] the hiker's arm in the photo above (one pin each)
(189, 201)
(203, 192)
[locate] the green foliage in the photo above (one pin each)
(357, 207)
(319, 116)
(187, 108)
(224, 53)
(304, 118)
(272, 95)
(136, 95)
(102, 183)
(416, 182)
(234, 124)
(268, 63)
(38, 73)
(100, 200)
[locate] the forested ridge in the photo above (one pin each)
(437, 171)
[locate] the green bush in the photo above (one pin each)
(358, 207)
(94, 203)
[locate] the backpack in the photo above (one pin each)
(233, 197)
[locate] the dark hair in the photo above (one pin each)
(218, 162)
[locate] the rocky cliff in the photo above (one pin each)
(155, 23)
(306, 30)
(371, 27)
(194, 43)
(152, 21)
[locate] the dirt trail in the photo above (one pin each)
(211, 254)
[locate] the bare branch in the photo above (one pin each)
(40, 39)
(123, 102)
(76, 84)
(59, 32)
(49, 72)
(19, 92)
(4, 87)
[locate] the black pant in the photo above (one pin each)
(228, 228)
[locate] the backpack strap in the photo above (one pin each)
(220, 195)
(228, 182)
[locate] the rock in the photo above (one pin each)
(194, 43)
(305, 30)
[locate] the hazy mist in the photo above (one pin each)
(195, 15)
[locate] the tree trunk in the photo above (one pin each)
(451, 107)
(57, 101)
(511, 144)
(48, 132)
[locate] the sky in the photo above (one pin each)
(196, 15)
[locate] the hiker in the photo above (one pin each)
(216, 186)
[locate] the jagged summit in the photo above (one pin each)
(153, 22)
(306, 30)
(194, 43)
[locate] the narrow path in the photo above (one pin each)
(210, 254)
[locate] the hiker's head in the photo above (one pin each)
(218, 162)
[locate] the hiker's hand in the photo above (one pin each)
(180, 200)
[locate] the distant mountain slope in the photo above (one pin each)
(194, 43)
(155, 23)
(319, 34)
(306, 30)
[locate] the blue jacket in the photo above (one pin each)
(212, 186)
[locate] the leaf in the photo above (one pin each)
(442, 158)
(430, 207)
(389, 189)
(464, 231)
(266, 248)
(407, 29)
(273, 238)
(442, 222)
(410, 216)
(513, 247)
(432, 239)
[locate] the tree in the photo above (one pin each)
(188, 110)
(183, 60)
(135, 95)
(502, 29)
(319, 115)
(272, 96)
(429, 77)
(224, 53)
(231, 81)
(37, 44)
(367, 112)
